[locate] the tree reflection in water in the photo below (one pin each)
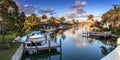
(111, 45)
(91, 40)
(63, 36)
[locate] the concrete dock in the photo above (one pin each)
(18, 54)
(114, 55)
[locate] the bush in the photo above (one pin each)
(116, 30)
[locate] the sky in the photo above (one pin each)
(67, 8)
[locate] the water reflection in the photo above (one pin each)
(111, 44)
(76, 46)
(75, 35)
(44, 55)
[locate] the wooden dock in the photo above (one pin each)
(101, 34)
(115, 36)
(48, 45)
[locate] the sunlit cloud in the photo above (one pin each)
(30, 9)
(48, 10)
(78, 4)
(77, 9)
(27, 9)
(75, 13)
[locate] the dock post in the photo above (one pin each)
(23, 47)
(35, 51)
(60, 43)
(49, 45)
(60, 50)
(45, 38)
(49, 56)
(55, 39)
(24, 50)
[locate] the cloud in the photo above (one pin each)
(80, 11)
(48, 10)
(78, 4)
(27, 9)
(52, 13)
(75, 13)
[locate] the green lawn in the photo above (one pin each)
(9, 46)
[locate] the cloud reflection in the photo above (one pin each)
(77, 37)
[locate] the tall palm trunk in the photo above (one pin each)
(3, 32)
(3, 35)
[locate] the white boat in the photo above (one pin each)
(33, 36)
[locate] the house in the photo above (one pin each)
(44, 20)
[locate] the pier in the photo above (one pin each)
(48, 45)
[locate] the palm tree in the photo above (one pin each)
(62, 19)
(73, 21)
(91, 17)
(44, 17)
(52, 18)
(51, 21)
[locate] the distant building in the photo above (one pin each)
(85, 18)
(46, 20)
(56, 20)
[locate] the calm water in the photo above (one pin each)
(76, 47)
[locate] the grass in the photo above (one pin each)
(8, 48)
(7, 54)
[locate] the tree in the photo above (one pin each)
(52, 18)
(13, 20)
(10, 16)
(112, 16)
(44, 17)
(73, 21)
(51, 21)
(31, 22)
(19, 25)
(91, 17)
(62, 19)
(77, 21)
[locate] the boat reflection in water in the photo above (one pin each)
(43, 55)
(76, 46)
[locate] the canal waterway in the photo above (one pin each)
(76, 46)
